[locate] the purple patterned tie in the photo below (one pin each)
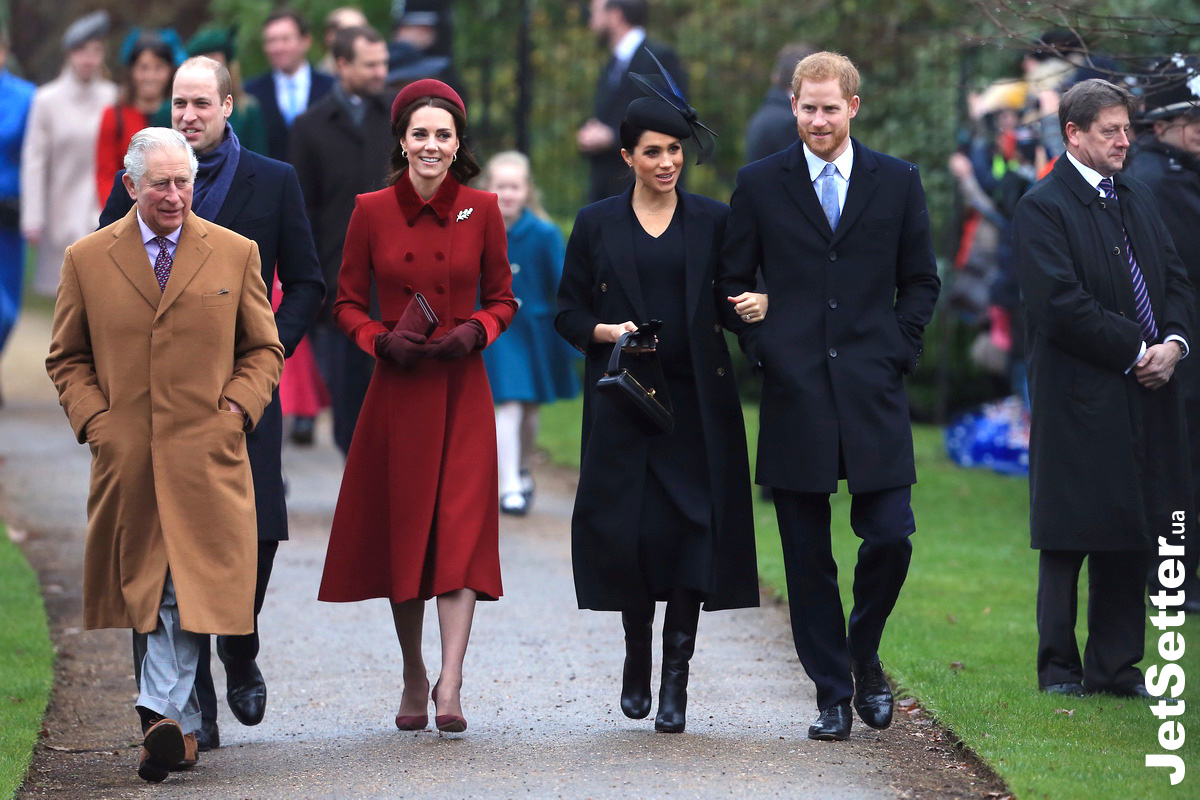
(162, 264)
(1141, 297)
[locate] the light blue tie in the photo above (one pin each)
(829, 196)
(292, 104)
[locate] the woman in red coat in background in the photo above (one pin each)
(417, 516)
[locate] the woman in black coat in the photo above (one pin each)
(667, 516)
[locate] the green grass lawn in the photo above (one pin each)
(26, 664)
(962, 638)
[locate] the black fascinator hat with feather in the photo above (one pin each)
(665, 109)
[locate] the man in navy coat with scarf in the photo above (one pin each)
(259, 198)
(1108, 308)
(841, 234)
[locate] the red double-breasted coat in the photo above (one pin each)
(417, 515)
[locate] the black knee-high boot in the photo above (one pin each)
(635, 680)
(679, 642)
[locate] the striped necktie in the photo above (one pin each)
(1145, 314)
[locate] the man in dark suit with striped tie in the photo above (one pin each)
(1108, 314)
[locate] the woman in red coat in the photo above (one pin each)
(150, 63)
(417, 516)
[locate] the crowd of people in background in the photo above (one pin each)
(1011, 141)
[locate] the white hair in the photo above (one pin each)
(148, 139)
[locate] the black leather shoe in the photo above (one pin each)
(208, 737)
(1070, 689)
(1139, 691)
(872, 695)
(833, 724)
(635, 678)
(246, 691)
(302, 431)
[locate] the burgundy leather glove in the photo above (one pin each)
(460, 341)
(402, 348)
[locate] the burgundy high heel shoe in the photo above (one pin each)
(447, 723)
(412, 722)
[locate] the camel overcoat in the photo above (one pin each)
(145, 377)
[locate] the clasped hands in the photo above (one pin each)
(1158, 364)
(405, 348)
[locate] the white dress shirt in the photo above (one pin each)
(841, 179)
(291, 91)
(630, 42)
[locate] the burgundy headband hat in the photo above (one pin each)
(427, 87)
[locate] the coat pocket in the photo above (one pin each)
(221, 298)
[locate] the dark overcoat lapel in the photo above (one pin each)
(863, 183)
(799, 186)
(240, 192)
(618, 245)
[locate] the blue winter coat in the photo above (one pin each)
(530, 362)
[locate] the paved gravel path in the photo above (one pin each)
(541, 684)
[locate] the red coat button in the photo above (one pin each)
(440, 289)
(408, 256)
(439, 255)
(408, 290)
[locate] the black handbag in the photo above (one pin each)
(647, 405)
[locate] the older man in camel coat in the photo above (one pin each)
(164, 354)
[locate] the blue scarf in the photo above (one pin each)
(215, 176)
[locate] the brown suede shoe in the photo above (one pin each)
(191, 753)
(162, 749)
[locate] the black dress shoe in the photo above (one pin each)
(246, 690)
(1070, 689)
(302, 430)
(872, 695)
(1139, 691)
(208, 737)
(833, 724)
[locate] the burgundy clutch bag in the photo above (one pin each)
(418, 317)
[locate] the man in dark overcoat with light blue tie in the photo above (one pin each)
(841, 234)
(1108, 312)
